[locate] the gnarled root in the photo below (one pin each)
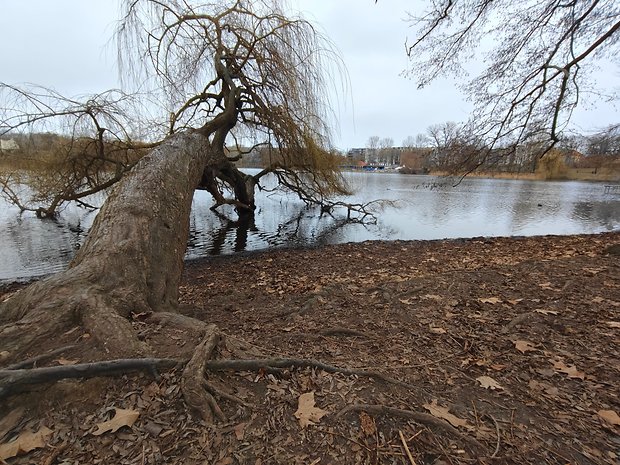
(193, 379)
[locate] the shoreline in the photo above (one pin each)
(10, 284)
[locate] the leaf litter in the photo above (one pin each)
(561, 386)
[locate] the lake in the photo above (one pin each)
(427, 208)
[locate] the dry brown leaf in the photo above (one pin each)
(4, 355)
(432, 297)
(488, 383)
(25, 443)
(11, 420)
(571, 371)
(515, 301)
(614, 324)
(437, 330)
(491, 300)
(443, 412)
(524, 346)
(406, 301)
(122, 417)
(367, 424)
(307, 413)
(240, 431)
(64, 361)
(542, 311)
(609, 416)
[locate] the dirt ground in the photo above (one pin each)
(480, 351)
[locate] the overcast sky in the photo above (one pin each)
(67, 45)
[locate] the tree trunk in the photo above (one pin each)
(131, 261)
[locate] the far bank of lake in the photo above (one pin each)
(428, 207)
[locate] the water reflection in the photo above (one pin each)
(429, 208)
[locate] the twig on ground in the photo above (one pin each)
(55, 453)
(408, 452)
(496, 451)
(476, 414)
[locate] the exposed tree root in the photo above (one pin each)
(275, 363)
(193, 373)
(10, 380)
(179, 321)
(423, 418)
(229, 397)
(39, 358)
(193, 379)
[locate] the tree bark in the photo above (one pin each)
(131, 261)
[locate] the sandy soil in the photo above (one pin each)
(467, 351)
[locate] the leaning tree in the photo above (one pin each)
(540, 60)
(224, 74)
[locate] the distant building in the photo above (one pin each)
(8, 145)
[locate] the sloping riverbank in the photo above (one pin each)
(501, 350)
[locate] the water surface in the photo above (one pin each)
(428, 208)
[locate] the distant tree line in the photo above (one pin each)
(450, 147)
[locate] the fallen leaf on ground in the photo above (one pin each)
(524, 346)
(438, 330)
(491, 300)
(122, 417)
(488, 383)
(240, 431)
(443, 412)
(614, 324)
(64, 361)
(432, 297)
(307, 413)
(10, 421)
(609, 416)
(515, 301)
(25, 443)
(4, 354)
(367, 424)
(571, 371)
(545, 312)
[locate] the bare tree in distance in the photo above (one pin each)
(540, 57)
(409, 142)
(372, 149)
(605, 142)
(387, 151)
